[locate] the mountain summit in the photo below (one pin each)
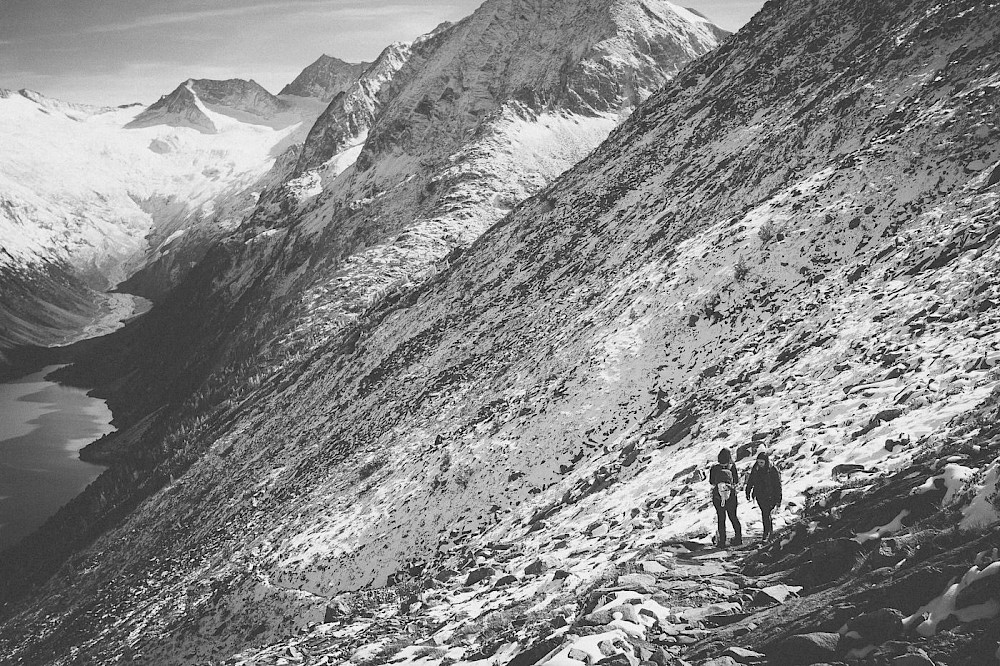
(325, 78)
(193, 103)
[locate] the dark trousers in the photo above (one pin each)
(765, 514)
(730, 510)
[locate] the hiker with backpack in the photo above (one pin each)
(764, 484)
(724, 478)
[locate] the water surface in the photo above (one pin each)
(43, 426)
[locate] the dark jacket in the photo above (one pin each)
(764, 483)
(716, 476)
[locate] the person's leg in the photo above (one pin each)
(737, 528)
(720, 512)
(765, 515)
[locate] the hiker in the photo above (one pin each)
(724, 478)
(764, 483)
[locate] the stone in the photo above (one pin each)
(807, 649)
(504, 581)
(744, 656)
(535, 568)
(721, 661)
(778, 593)
(619, 659)
(479, 575)
(878, 626)
(578, 655)
(636, 580)
(912, 659)
(653, 567)
(981, 591)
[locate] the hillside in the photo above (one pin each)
(790, 243)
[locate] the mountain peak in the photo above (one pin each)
(193, 101)
(325, 78)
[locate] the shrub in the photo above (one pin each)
(740, 270)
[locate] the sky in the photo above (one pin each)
(123, 51)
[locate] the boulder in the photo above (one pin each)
(982, 590)
(479, 575)
(721, 661)
(912, 659)
(535, 568)
(807, 649)
(636, 580)
(504, 581)
(875, 628)
(653, 567)
(744, 656)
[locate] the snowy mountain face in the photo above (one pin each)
(86, 204)
(790, 244)
(346, 121)
(190, 104)
(325, 78)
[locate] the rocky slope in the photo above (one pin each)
(790, 243)
(325, 78)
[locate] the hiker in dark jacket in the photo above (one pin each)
(764, 483)
(724, 478)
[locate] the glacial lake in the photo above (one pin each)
(43, 426)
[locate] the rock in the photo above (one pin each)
(832, 558)
(560, 574)
(503, 581)
(886, 415)
(807, 649)
(776, 593)
(912, 659)
(446, 575)
(744, 656)
(721, 661)
(875, 628)
(636, 580)
(479, 575)
(617, 660)
(981, 591)
(600, 530)
(578, 655)
(535, 568)
(535, 653)
(653, 567)
(847, 468)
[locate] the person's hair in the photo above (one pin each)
(725, 456)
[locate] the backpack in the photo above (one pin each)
(724, 485)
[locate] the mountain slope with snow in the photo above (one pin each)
(325, 78)
(85, 203)
(789, 244)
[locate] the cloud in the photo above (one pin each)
(311, 7)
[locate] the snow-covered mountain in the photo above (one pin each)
(190, 104)
(499, 458)
(325, 78)
(85, 203)
(344, 124)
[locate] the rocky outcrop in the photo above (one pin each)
(326, 78)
